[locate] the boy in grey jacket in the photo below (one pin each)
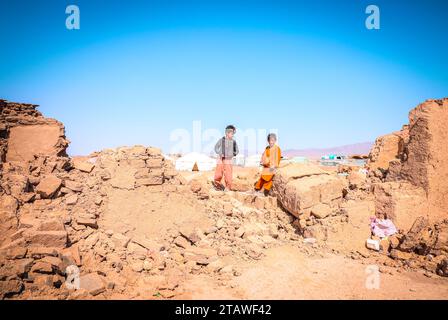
(226, 148)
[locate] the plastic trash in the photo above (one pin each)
(382, 227)
(373, 244)
(310, 240)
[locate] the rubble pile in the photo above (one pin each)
(63, 233)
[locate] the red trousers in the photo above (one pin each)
(224, 168)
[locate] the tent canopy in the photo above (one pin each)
(253, 161)
(188, 161)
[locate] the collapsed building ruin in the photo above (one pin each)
(61, 216)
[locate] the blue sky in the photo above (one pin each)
(137, 70)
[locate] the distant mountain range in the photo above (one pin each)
(362, 148)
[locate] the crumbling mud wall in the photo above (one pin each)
(25, 132)
(426, 162)
(416, 157)
(388, 148)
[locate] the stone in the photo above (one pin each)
(54, 239)
(8, 213)
(394, 241)
(301, 186)
(147, 244)
(137, 250)
(419, 238)
(226, 270)
(147, 265)
(154, 163)
(191, 233)
(120, 240)
(71, 256)
(201, 256)
(181, 242)
(195, 186)
(21, 267)
(16, 253)
(87, 222)
(400, 255)
(71, 199)
(82, 165)
(73, 185)
(137, 266)
(98, 200)
(441, 243)
(48, 186)
(56, 263)
(152, 180)
(52, 224)
(10, 287)
(42, 267)
(442, 268)
(385, 245)
(254, 251)
(321, 211)
(39, 252)
(93, 283)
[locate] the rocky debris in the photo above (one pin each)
(8, 213)
(442, 268)
(48, 186)
(132, 167)
(83, 166)
(200, 187)
(93, 283)
(10, 287)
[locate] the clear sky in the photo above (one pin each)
(138, 70)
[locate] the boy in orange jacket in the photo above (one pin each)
(270, 162)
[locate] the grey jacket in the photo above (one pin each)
(226, 148)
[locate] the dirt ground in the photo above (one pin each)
(287, 271)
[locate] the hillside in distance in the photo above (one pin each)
(313, 153)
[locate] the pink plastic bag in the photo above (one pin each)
(382, 227)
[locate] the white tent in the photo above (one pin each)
(253, 161)
(239, 160)
(187, 162)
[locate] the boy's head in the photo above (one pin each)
(230, 131)
(272, 139)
